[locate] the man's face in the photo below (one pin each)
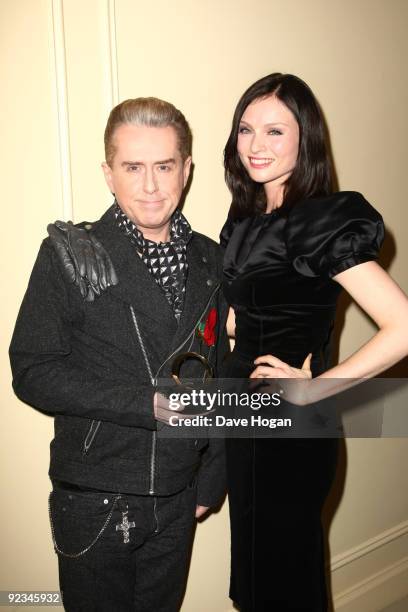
(147, 176)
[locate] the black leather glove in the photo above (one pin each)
(84, 259)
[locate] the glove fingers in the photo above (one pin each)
(83, 287)
(91, 266)
(90, 296)
(61, 246)
(113, 279)
(87, 290)
(82, 252)
(76, 247)
(108, 275)
(79, 256)
(99, 256)
(92, 274)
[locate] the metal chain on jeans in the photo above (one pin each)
(94, 541)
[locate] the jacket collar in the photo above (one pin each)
(136, 286)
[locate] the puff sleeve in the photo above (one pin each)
(328, 235)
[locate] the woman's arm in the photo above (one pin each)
(231, 323)
(381, 298)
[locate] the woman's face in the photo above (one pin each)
(268, 143)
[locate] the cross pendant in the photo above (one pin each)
(125, 526)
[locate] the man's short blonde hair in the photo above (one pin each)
(151, 112)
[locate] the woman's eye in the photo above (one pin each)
(275, 132)
(243, 130)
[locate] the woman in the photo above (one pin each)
(291, 244)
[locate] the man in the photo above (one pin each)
(124, 498)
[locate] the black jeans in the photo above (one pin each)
(135, 549)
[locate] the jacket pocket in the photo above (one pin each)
(90, 436)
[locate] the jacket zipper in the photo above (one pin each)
(154, 433)
(153, 379)
(90, 436)
(153, 462)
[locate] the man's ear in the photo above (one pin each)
(107, 172)
(186, 169)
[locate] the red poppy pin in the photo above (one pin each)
(206, 330)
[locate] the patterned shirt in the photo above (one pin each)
(166, 261)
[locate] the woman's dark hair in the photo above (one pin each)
(312, 175)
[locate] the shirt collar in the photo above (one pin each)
(180, 229)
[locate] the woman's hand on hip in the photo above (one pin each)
(295, 388)
(268, 366)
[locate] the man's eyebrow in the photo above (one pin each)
(170, 160)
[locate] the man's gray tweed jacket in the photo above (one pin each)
(84, 363)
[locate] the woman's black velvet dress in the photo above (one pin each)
(278, 271)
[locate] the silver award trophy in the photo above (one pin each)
(182, 358)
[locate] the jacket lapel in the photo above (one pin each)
(136, 286)
(201, 282)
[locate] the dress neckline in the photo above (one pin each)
(270, 214)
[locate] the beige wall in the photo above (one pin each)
(63, 65)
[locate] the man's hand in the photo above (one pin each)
(162, 411)
(84, 259)
(200, 510)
